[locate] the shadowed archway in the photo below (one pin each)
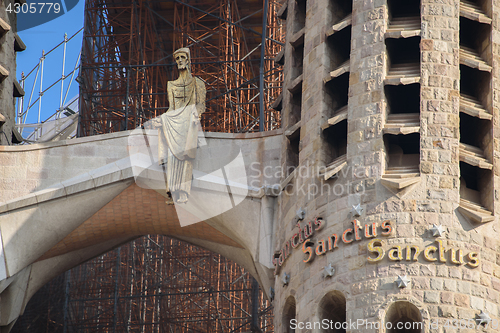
(403, 317)
(153, 284)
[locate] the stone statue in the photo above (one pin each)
(178, 127)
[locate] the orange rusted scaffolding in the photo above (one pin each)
(127, 62)
(158, 284)
(154, 284)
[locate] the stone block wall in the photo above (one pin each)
(30, 168)
(422, 151)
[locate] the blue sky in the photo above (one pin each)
(45, 37)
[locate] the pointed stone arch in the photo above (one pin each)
(289, 313)
(332, 307)
(404, 317)
(403, 309)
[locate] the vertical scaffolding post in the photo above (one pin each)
(40, 94)
(262, 64)
(67, 279)
(127, 97)
(157, 284)
(190, 289)
(255, 307)
(21, 101)
(62, 74)
(241, 83)
(117, 279)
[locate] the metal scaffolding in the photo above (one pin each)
(127, 61)
(154, 284)
(158, 284)
(62, 114)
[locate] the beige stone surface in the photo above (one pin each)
(80, 198)
(429, 195)
(259, 227)
(31, 231)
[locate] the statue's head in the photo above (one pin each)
(182, 57)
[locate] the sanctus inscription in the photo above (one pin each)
(347, 237)
(431, 253)
(376, 247)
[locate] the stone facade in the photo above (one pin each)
(421, 150)
(388, 177)
(10, 43)
(65, 202)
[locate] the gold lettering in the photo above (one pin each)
(356, 227)
(442, 257)
(427, 253)
(308, 230)
(276, 265)
(473, 259)
(293, 242)
(287, 249)
(409, 249)
(344, 236)
(375, 246)
(318, 222)
(392, 253)
(307, 250)
(374, 230)
(321, 248)
(453, 256)
(387, 226)
(332, 239)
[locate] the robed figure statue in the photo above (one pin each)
(178, 131)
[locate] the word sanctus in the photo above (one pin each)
(298, 238)
(411, 253)
(348, 236)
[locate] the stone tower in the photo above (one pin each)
(389, 207)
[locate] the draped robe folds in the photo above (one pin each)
(178, 136)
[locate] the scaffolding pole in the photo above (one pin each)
(158, 284)
(127, 62)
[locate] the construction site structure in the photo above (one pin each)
(127, 62)
(58, 118)
(156, 283)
